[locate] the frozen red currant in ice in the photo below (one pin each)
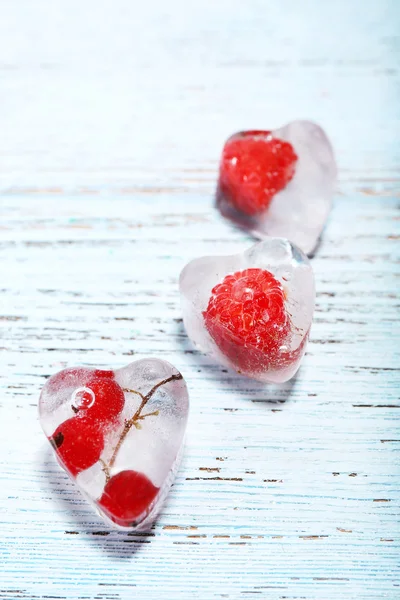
(278, 183)
(247, 319)
(252, 311)
(118, 434)
(92, 393)
(79, 443)
(127, 497)
(73, 375)
(254, 167)
(100, 398)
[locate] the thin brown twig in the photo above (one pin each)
(138, 416)
(155, 413)
(106, 470)
(133, 392)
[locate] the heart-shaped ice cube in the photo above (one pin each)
(119, 435)
(279, 183)
(251, 311)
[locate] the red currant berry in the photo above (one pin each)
(254, 167)
(78, 443)
(99, 398)
(127, 496)
(75, 376)
(91, 392)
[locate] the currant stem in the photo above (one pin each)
(152, 414)
(138, 414)
(133, 392)
(106, 470)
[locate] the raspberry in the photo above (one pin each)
(127, 496)
(247, 319)
(254, 167)
(92, 393)
(79, 443)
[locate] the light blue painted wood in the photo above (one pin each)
(112, 119)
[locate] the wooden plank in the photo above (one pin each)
(112, 121)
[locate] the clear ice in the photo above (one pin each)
(119, 435)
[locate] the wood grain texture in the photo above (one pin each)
(112, 118)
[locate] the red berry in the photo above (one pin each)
(254, 167)
(79, 443)
(247, 319)
(127, 496)
(73, 376)
(92, 393)
(99, 398)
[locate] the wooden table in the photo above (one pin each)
(113, 115)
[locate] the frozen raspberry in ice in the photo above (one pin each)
(254, 167)
(247, 319)
(251, 311)
(279, 183)
(119, 435)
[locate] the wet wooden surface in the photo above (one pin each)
(112, 117)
